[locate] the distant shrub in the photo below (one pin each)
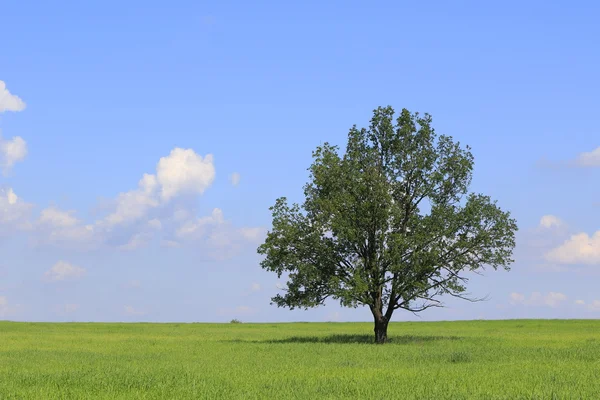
(235, 321)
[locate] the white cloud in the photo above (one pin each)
(11, 152)
(235, 179)
(255, 287)
(63, 228)
(160, 207)
(11, 197)
(58, 218)
(145, 235)
(8, 101)
(136, 203)
(137, 241)
(579, 249)
(549, 221)
(536, 299)
(138, 214)
(516, 298)
(594, 306)
(553, 299)
(62, 271)
(255, 234)
(14, 213)
(535, 242)
(580, 302)
(183, 171)
(216, 234)
(589, 159)
(199, 226)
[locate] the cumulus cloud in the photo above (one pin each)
(550, 221)
(55, 217)
(553, 299)
(235, 179)
(578, 249)
(536, 299)
(589, 159)
(8, 101)
(11, 151)
(594, 306)
(138, 214)
(143, 236)
(134, 204)
(63, 228)
(516, 298)
(200, 226)
(216, 233)
(63, 271)
(183, 171)
(162, 206)
(14, 212)
(535, 242)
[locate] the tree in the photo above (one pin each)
(388, 225)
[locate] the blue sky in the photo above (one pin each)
(221, 103)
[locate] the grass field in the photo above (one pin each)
(517, 359)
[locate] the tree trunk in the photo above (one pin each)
(381, 325)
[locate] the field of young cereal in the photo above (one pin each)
(515, 359)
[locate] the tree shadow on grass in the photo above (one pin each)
(352, 339)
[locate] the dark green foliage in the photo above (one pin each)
(390, 224)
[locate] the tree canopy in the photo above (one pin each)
(390, 224)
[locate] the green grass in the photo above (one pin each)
(519, 359)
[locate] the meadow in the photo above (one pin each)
(513, 359)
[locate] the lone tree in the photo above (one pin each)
(389, 225)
